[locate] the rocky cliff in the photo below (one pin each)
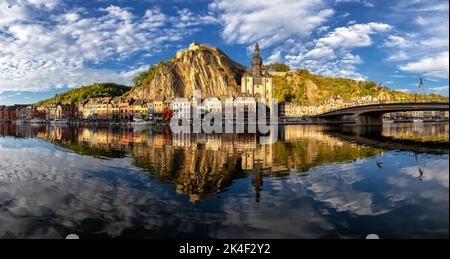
(201, 67)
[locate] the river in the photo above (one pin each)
(313, 182)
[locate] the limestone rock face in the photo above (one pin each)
(311, 90)
(203, 68)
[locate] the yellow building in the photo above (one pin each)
(97, 109)
(158, 109)
(158, 106)
(140, 109)
(115, 108)
(125, 110)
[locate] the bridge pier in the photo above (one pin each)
(368, 119)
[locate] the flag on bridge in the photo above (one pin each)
(420, 82)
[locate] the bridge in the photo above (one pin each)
(371, 113)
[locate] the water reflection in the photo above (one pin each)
(201, 165)
(313, 182)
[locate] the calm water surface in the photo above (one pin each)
(314, 182)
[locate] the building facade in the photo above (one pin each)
(139, 109)
(150, 110)
(182, 109)
(257, 83)
(65, 111)
(167, 109)
(2, 112)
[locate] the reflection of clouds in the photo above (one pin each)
(334, 185)
(436, 171)
(37, 188)
(282, 213)
(45, 196)
(337, 185)
(435, 195)
(50, 192)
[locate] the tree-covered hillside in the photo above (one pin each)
(303, 87)
(144, 78)
(89, 91)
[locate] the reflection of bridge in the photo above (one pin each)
(371, 136)
(372, 113)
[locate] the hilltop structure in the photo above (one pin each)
(199, 67)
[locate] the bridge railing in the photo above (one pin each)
(342, 104)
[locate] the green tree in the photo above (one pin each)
(145, 78)
(292, 87)
(89, 91)
(279, 67)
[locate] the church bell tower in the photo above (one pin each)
(257, 62)
(256, 83)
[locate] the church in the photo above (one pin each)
(257, 83)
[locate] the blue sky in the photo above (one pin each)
(49, 46)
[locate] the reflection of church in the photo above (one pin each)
(256, 82)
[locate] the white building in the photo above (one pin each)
(181, 109)
(213, 105)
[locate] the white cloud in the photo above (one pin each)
(440, 90)
(331, 55)
(421, 21)
(320, 52)
(436, 42)
(268, 21)
(275, 57)
(397, 41)
(45, 3)
(421, 6)
(357, 35)
(342, 66)
(57, 49)
(323, 28)
(366, 3)
(18, 10)
(399, 56)
(424, 51)
(441, 7)
(11, 13)
(434, 67)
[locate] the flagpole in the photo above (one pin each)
(419, 86)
